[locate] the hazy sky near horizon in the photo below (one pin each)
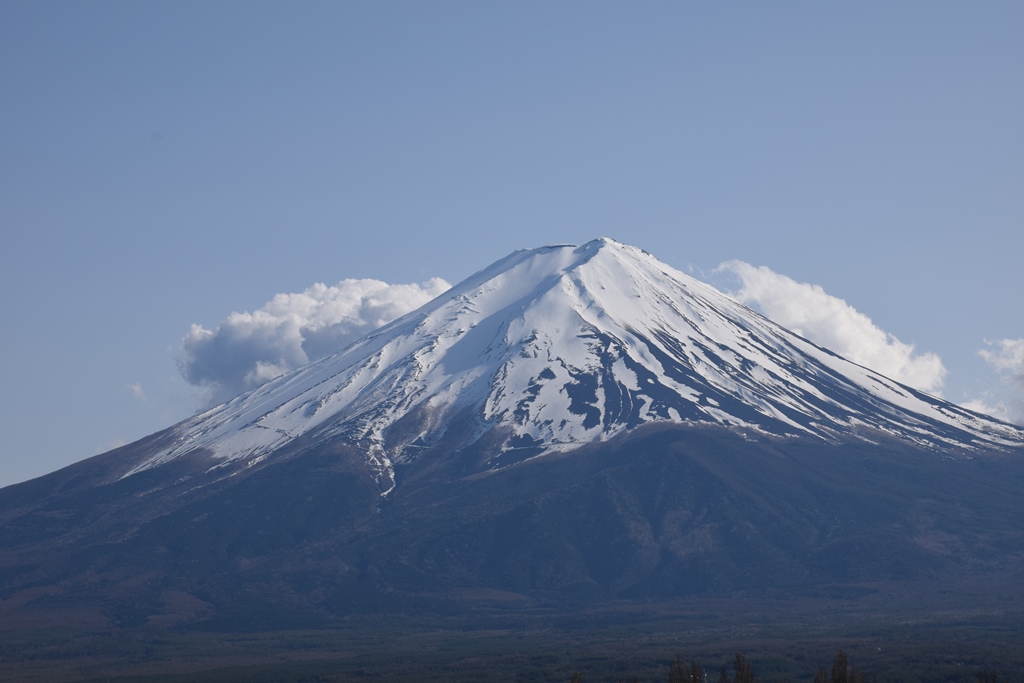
(164, 165)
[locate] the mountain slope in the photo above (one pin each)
(551, 348)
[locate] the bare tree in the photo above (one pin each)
(839, 667)
(744, 671)
(696, 672)
(677, 671)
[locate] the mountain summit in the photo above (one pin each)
(552, 348)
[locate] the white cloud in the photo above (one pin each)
(989, 405)
(831, 322)
(290, 330)
(137, 391)
(1006, 356)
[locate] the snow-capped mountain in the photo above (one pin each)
(723, 455)
(551, 348)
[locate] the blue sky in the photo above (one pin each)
(166, 164)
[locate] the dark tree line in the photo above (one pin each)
(681, 671)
